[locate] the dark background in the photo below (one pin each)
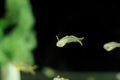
(97, 21)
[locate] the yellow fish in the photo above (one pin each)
(60, 78)
(68, 39)
(111, 45)
(26, 68)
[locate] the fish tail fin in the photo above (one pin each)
(80, 40)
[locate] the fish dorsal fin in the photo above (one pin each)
(57, 38)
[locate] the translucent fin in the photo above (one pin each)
(80, 40)
(57, 38)
(33, 69)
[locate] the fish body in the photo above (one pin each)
(25, 67)
(60, 78)
(111, 45)
(68, 39)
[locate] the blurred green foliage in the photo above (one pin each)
(17, 44)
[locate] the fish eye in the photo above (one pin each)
(60, 45)
(107, 47)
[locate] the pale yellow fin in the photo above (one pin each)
(81, 43)
(57, 38)
(81, 40)
(33, 69)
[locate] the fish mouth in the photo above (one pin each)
(59, 45)
(107, 48)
